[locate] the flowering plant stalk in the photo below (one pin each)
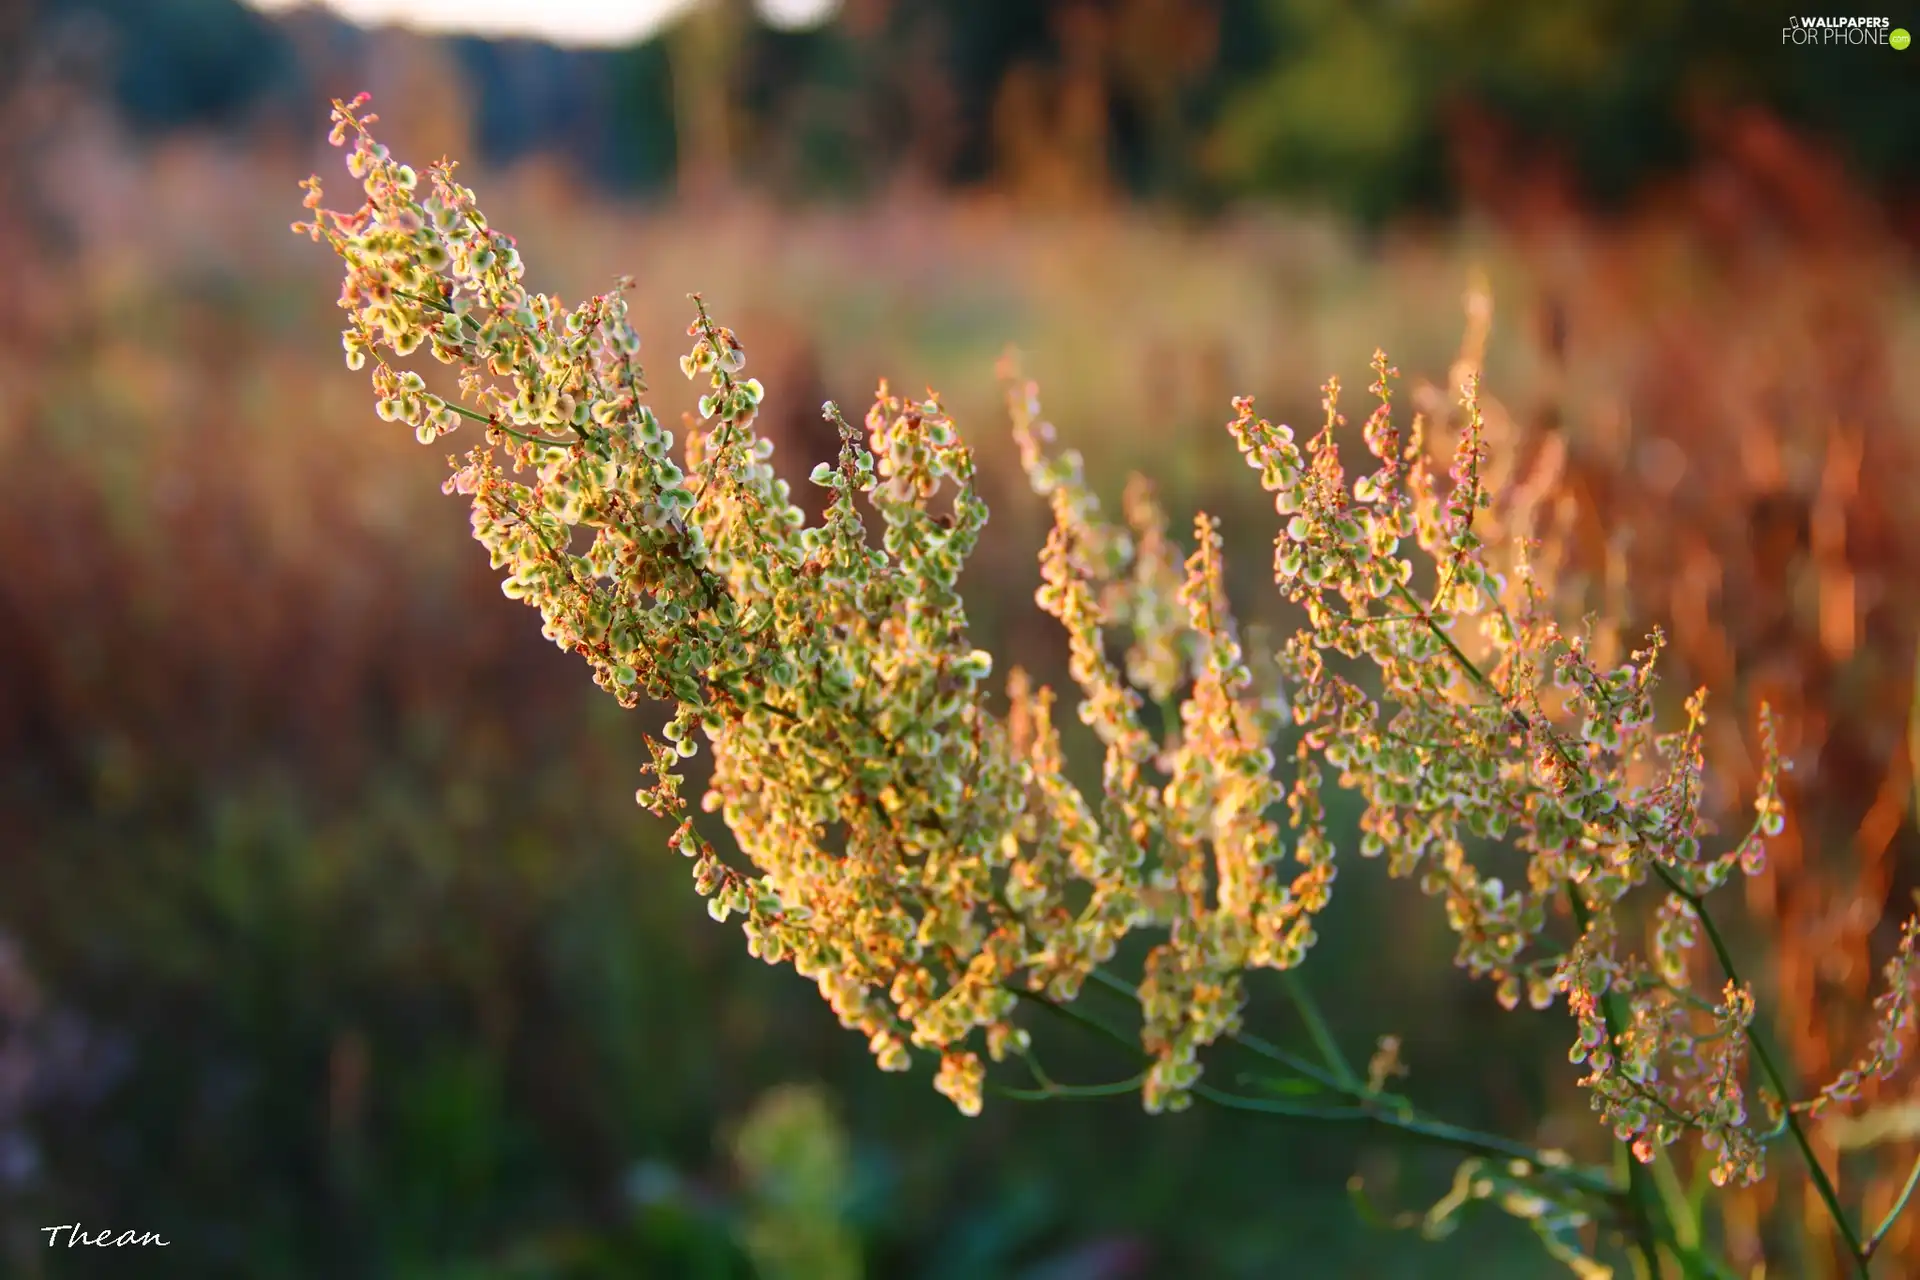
(928, 864)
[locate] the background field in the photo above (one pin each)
(331, 942)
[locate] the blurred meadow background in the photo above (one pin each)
(331, 940)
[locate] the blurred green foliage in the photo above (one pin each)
(1353, 101)
(794, 1156)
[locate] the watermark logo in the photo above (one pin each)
(76, 1235)
(1830, 30)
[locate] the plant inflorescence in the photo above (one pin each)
(928, 863)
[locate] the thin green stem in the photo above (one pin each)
(1292, 1061)
(1822, 1183)
(1070, 1092)
(438, 304)
(519, 435)
(1246, 1039)
(1073, 1013)
(1424, 614)
(467, 413)
(502, 427)
(1440, 1132)
(1277, 1106)
(1386, 1109)
(1317, 1029)
(1886, 1224)
(1367, 1109)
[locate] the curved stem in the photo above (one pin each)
(1822, 1183)
(1899, 1205)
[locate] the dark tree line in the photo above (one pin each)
(1365, 106)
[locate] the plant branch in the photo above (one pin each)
(1366, 1110)
(1639, 1190)
(1822, 1183)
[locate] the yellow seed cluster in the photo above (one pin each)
(921, 859)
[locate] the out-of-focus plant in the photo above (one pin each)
(928, 863)
(793, 1155)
